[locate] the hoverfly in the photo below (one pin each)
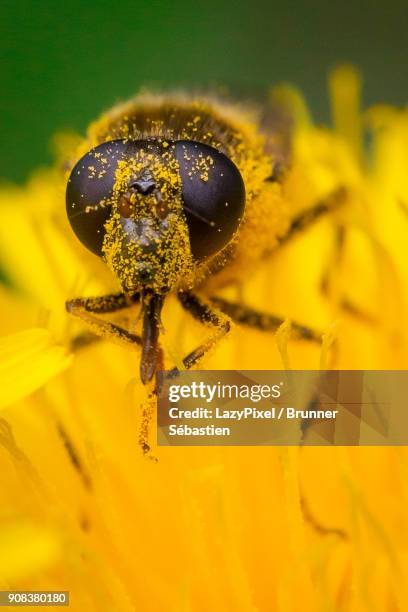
(179, 195)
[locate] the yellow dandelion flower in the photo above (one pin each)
(214, 528)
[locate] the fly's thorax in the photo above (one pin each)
(147, 239)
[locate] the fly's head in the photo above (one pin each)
(154, 209)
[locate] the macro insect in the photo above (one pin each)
(181, 195)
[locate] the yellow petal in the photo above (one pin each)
(345, 89)
(28, 360)
(26, 549)
(35, 235)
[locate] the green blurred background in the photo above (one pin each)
(64, 61)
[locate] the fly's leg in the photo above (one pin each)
(152, 307)
(86, 309)
(263, 321)
(204, 313)
(326, 287)
(270, 323)
(334, 264)
(307, 218)
(104, 304)
(316, 525)
(336, 258)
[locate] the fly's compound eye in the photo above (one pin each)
(213, 196)
(89, 191)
